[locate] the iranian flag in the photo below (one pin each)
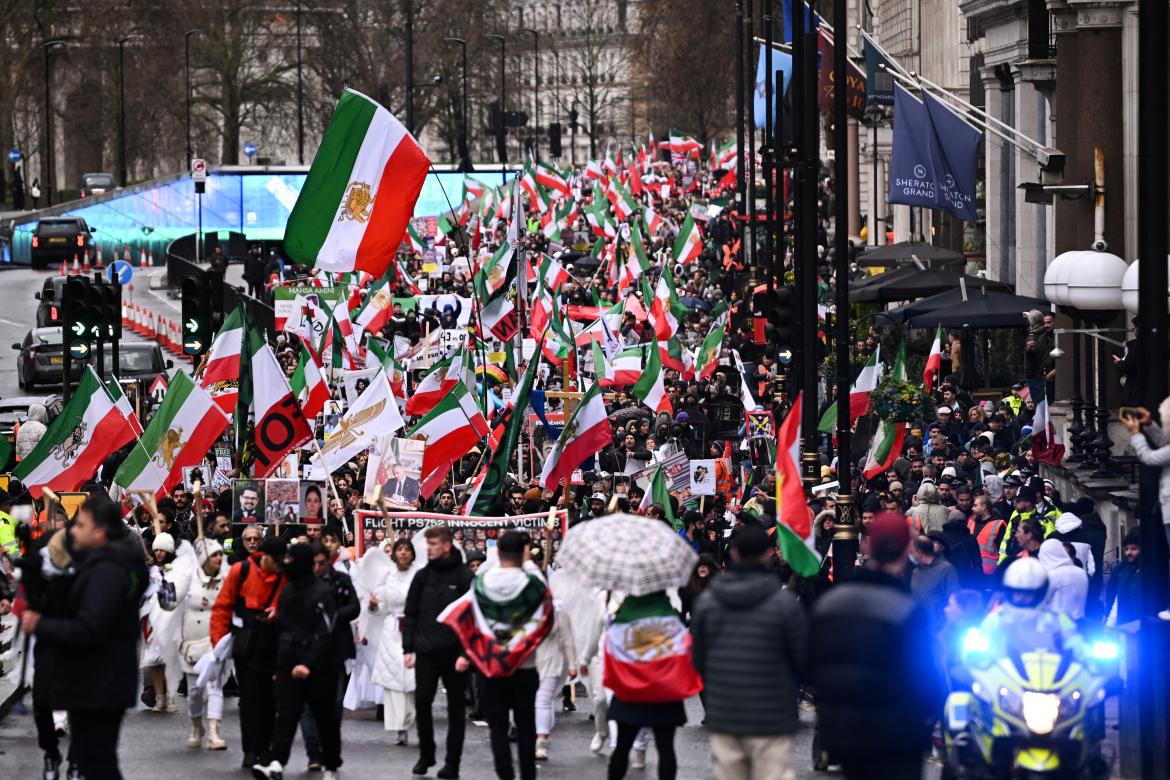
(221, 372)
(652, 219)
(708, 357)
(451, 429)
(181, 433)
(665, 310)
(74, 445)
(689, 244)
(637, 261)
(418, 244)
(280, 425)
(794, 531)
(933, 360)
(360, 192)
(658, 493)
(649, 388)
(441, 381)
(123, 403)
(859, 401)
(640, 670)
(550, 177)
(622, 370)
(551, 273)
(1046, 444)
(584, 435)
(308, 383)
(885, 446)
(377, 310)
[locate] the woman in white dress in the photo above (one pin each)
(197, 593)
(390, 670)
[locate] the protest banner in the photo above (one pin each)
(395, 465)
(471, 533)
(283, 501)
(286, 314)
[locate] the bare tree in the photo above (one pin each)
(596, 56)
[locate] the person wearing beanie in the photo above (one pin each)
(306, 663)
(246, 607)
(158, 648)
(877, 675)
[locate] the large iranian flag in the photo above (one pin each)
(377, 310)
(689, 244)
(74, 445)
(451, 429)
(438, 384)
(585, 434)
(360, 193)
(221, 373)
(180, 434)
(665, 310)
(280, 425)
(794, 531)
(648, 652)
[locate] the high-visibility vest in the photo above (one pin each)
(915, 523)
(988, 549)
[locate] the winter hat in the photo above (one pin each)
(274, 546)
(164, 542)
(205, 548)
(298, 563)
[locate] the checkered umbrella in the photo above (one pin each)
(634, 554)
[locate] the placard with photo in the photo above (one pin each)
(282, 502)
(193, 474)
(395, 465)
(247, 501)
(702, 477)
(313, 502)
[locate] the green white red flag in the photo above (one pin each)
(689, 244)
(708, 357)
(360, 192)
(74, 445)
(451, 429)
(455, 369)
(377, 309)
(885, 446)
(221, 373)
(308, 382)
(584, 435)
(637, 670)
(933, 360)
(649, 389)
(794, 531)
(181, 433)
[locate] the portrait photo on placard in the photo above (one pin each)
(247, 500)
(395, 466)
(312, 502)
(282, 503)
(193, 474)
(702, 477)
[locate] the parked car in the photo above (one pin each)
(14, 410)
(49, 308)
(41, 359)
(96, 183)
(138, 360)
(59, 238)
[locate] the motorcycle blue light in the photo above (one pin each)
(976, 642)
(1104, 650)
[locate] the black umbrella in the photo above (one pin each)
(909, 282)
(691, 302)
(985, 308)
(908, 251)
(587, 263)
(628, 413)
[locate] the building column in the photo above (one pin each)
(1031, 245)
(993, 152)
(854, 179)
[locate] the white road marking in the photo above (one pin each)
(17, 324)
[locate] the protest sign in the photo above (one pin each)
(288, 316)
(395, 465)
(312, 496)
(702, 477)
(471, 533)
(283, 501)
(247, 500)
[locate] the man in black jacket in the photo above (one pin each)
(306, 666)
(751, 649)
(99, 624)
(432, 649)
(878, 681)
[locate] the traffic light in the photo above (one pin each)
(196, 300)
(94, 304)
(76, 316)
(573, 119)
(778, 306)
(111, 311)
(554, 139)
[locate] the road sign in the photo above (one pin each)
(158, 388)
(13, 155)
(249, 149)
(78, 350)
(121, 272)
(785, 355)
(199, 170)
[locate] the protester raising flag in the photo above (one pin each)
(180, 434)
(451, 429)
(708, 358)
(585, 434)
(648, 652)
(933, 361)
(665, 310)
(885, 446)
(74, 445)
(308, 382)
(355, 204)
(441, 380)
(279, 424)
(649, 389)
(221, 371)
(499, 634)
(1046, 444)
(374, 414)
(794, 531)
(659, 493)
(689, 244)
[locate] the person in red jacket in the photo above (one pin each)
(246, 607)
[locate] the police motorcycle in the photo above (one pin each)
(1035, 700)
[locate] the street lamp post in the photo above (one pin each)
(300, 93)
(501, 129)
(535, 91)
(122, 109)
(47, 165)
(464, 157)
(408, 7)
(187, 66)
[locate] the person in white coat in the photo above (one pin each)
(197, 594)
(556, 656)
(1068, 585)
(1152, 447)
(390, 670)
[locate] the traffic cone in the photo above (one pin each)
(126, 252)
(125, 314)
(99, 262)
(142, 258)
(139, 320)
(85, 262)
(176, 346)
(150, 258)
(64, 268)
(76, 265)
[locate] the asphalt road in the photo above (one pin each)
(153, 746)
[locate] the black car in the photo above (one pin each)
(14, 410)
(42, 358)
(59, 238)
(49, 308)
(96, 183)
(136, 360)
